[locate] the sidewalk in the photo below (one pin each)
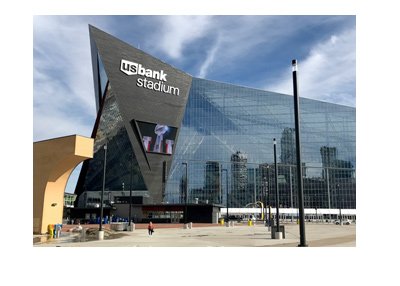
(317, 235)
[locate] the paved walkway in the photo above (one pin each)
(317, 235)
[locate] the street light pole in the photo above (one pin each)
(329, 196)
(340, 203)
(269, 199)
(298, 155)
(276, 189)
(186, 190)
(227, 198)
(130, 192)
(291, 192)
(102, 190)
(220, 183)
(264, 186)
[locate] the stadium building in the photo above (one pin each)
(173, 139)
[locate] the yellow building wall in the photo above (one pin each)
(53, 162)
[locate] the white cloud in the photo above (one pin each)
(178, 31)
(328, 73)
(55, 123)
(210, 58)
(63, 95)
(235, 38)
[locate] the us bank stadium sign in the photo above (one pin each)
(151, 79)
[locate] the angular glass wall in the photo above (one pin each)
(103, 78)
(120, 155)
(233, 127)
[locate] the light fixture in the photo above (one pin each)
(294, 65)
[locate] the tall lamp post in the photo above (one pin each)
(276, 189)
(227, 198)
(186, 190)
(340, 203)
(220, 183)
(298, 155)
(264, 188)
(269, 200)
(130, 193)
(101, 232)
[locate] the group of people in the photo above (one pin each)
(150, 227)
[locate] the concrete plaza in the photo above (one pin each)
(317, 235)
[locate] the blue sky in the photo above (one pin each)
(253, 51)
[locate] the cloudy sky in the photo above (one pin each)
(253, 51)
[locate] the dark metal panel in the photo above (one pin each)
(143, 104)
(95, 69)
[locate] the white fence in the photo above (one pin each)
(244, 211)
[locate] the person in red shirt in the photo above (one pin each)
(150, 228)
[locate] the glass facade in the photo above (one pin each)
(103, 79)
(226, 138)
(224, 141)
(120, 156)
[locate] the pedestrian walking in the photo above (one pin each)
(150, 228)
